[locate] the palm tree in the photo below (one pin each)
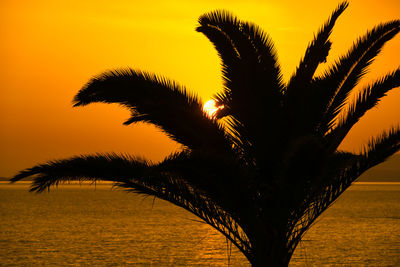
(267, 164)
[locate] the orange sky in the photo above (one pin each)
(49, 50)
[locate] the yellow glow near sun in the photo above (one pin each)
(210, 107)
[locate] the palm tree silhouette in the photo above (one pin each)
(267, 164)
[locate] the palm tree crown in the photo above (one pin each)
(267, 164)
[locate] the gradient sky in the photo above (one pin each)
(50, 49)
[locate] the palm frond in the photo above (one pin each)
(231, 26)
(341, 78)
(209, 178)
(368, 98)
(270, 73)
(251, 64)
(380, 148)
(241, 141)
(377, 151)
(138, 176)
(228, 28)
(316, 53)
(106, 167)
(181, 195)
(253, 80)
(158, 101)
(303, 101)
(221, 42)
(229, 62)
(336, 174)
(266, 95)
(217, 177)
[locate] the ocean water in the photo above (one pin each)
(99, 226)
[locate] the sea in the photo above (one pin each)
(88, 225)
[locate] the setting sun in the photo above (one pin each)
(210, 107)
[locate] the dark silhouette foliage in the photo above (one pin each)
(263, 174)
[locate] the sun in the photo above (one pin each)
(210, 108)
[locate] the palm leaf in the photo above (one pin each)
(178, 193)
(138, 176)
(337, 173)
(270, 81)
(235, 82)
(341, 78)
(368, 98)
(380, 148)
(303, 101)
(158, 101)
(229, 63)
(252, 81)
(249, 65)
(217, 177)
(231, 26)
(377, 151)
(316, 53)
(107, 167)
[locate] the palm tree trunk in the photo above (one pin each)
(273, 257)
(269, 248)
